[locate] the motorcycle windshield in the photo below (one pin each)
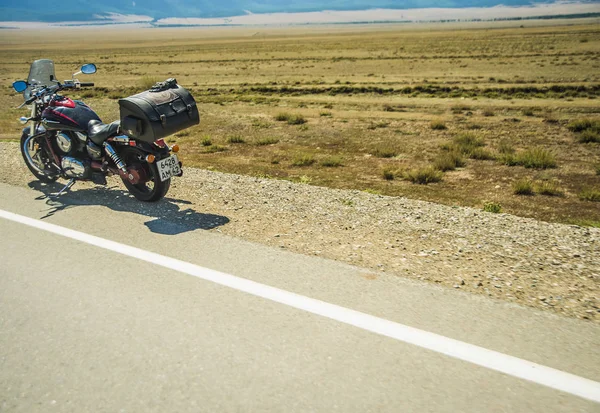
(41, 73)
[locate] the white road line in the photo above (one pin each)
(513, 366)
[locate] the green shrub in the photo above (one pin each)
(448, 161)
(303, 159)
(206, 141)
(438, 125)
(590, 194)
(508, 159)
(523, 187)
(538, 158)
(332, 162)
(549, 188)
(493, 207)
(266, 141)
(589, 136)
(236, 139)
(423, 176)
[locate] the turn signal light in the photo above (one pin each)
(150, 158)
(175, 148)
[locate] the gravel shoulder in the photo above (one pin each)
(554, 267)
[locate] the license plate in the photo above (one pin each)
(168, 167)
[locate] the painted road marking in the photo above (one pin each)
(513, 366)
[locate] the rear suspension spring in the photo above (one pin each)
(114, 156)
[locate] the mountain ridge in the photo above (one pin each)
(91, 10)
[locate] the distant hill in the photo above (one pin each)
(89, 10)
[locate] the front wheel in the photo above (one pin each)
(153, 189)
(37, 159)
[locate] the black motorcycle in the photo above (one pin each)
(68, 140)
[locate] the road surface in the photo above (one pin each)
(87, 328)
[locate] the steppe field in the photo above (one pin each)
(498, 116)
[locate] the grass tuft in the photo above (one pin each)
(206, 141)
(448, 161)
(523, 187)
(291, 119)
(147, 82)
(538, 158)
(492, 207)
(548, 188)
(235, 139)
(590, 194)
(332, 162)
(388, 174)
(266, 141)
(303, 159)
(438, 125)
(384, 152)
(423, 176)
(215, 148)
(581, 125)
(589, 136)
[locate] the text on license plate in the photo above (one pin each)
(168, 167)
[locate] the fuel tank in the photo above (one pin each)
(67, 114)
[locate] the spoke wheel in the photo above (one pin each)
(153, 189)
(37, 159)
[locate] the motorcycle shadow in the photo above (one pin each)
(167, 217)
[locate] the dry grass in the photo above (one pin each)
(389, 85)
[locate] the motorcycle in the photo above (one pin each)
(67, 139)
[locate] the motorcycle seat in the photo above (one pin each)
(98, 132)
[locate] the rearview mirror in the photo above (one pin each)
(19, 86)
(88, 69)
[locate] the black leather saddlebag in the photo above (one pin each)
(163, 110)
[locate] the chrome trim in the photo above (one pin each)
(121, 139)
(63, 141)
(29, 157)
(114, 156)
(73, 168)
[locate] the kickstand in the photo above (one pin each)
(65, 188)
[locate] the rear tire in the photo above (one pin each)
(37, 160)
(154, 189)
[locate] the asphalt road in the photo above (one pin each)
(86, 329)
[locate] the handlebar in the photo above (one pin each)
(86, 84)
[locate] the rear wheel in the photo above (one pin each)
(153, 189)
(37, 159)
